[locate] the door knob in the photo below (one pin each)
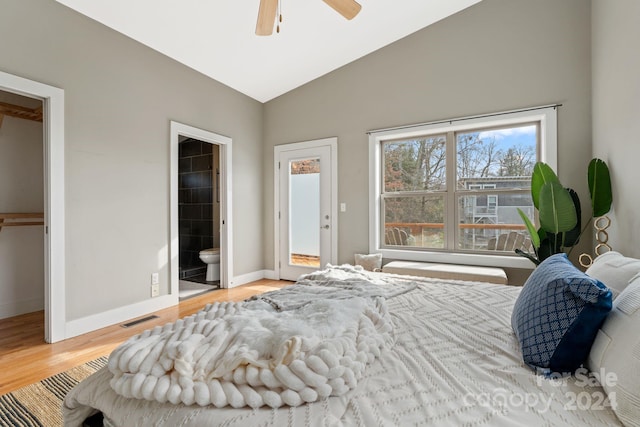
(326, 227)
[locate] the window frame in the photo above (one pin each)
(546, 116)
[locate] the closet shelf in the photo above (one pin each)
(20, 219)
(20, 112)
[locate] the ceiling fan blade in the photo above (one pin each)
(347, 8)
(266, 17)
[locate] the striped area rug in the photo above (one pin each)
(40, 404)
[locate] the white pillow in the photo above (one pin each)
(614, 270)
(371, 262)
(616, 350)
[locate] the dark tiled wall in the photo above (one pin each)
(195, 192)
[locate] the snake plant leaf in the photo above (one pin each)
(542, 174)
(533, 233)
(572, 237)
(557, 211)
(599, 187)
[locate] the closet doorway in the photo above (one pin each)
(21, 206)
(196, 189)
(49, 102)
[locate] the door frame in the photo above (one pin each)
(226, 235)
(332, 143)
(54, 198)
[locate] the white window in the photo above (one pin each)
(453, 187)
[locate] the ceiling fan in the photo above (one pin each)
(267, 13)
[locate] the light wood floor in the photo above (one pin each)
(25, 358)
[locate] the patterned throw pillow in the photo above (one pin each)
(371, 262)
(557, 315)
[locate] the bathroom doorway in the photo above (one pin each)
(198, 216)
(200, 211)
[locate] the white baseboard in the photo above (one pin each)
(271, 275)
(16, 308)
(252, 277)
(117, 315)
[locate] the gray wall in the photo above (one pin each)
(616, 113)
(119, 99)
(120, 96)
(496, 55)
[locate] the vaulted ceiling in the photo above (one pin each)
(217, 37)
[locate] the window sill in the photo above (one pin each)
(459, 258)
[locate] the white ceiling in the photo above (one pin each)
(217, 37)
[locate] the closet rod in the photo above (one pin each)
(20, 112)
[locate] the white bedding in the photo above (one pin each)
(454, 361)
(291, 347)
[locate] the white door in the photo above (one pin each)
(306, 217)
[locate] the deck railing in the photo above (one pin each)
(416, 227)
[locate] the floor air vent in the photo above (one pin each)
(135, 322)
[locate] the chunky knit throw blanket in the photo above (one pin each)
(289, 347)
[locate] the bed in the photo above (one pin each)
(446, 355)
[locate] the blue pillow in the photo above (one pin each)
(557, 315)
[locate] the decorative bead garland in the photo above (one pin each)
(602, 237)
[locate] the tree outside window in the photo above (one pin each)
(491, 169)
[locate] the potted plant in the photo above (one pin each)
(559, 210)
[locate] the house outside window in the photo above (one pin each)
(451, 190)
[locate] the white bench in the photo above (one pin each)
(447, 271)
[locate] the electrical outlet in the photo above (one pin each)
(155, 278)
(155, 290)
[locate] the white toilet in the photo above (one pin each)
(211, 257)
